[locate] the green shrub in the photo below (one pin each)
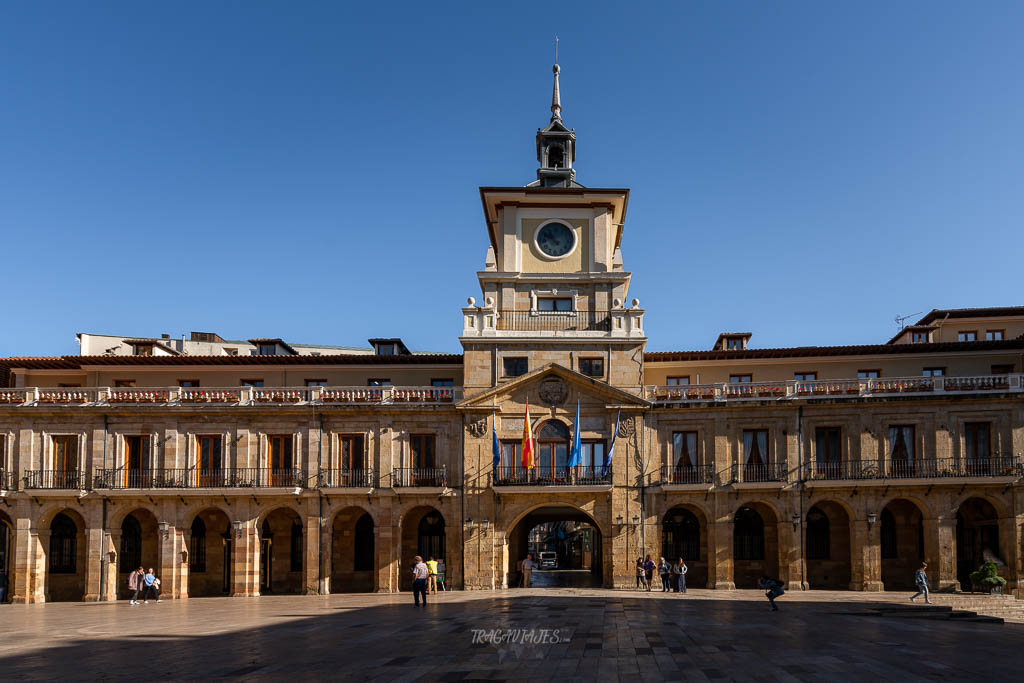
(987, 577)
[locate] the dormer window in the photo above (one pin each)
(386, 350)
(732, 341)
(389, 347)
(734, 344)
(919, 338)
(267, 350)
(142, 349)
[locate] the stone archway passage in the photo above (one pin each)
(902, 543)
(567, 536)
(977, 539)
(827, 546)
(755, 549)
(66, 554)
(139, 547)
(281, 553)
(423, 533)
(684, 534)
(209, 554)
(353, 552)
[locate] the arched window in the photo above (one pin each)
(131, 544)
(680, 535)
(748, 535)
(819, 544)
(556, 157)
(296, 546)
(552, 449)
(63, 545)
(197, 548)
(364, 544)
(431, 536)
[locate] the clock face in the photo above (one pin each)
(555, 240)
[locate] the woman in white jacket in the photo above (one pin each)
(679, 569)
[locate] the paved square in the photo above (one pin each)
(606, 635)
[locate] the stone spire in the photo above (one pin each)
(556, 99)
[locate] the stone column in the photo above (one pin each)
(865, 556)
(791, 568)
(93, 553)
(38, 557)
(327, 566)
(169, 559)
(720, 566)
(112, 549)
(27, 583)
(185, 558)
(311, 564)
(939, 534)
(385, 549)
(1010, 546)
(245, 562)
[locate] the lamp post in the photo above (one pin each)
(237, 524)
(165, 529)
(872, 519)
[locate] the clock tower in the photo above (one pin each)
(553, 288)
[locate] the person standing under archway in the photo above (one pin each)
(679, 571)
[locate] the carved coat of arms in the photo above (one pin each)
(553, 391)
(478, 427)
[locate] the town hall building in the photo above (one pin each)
(248, 467)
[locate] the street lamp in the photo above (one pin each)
(636, 520)
(796, 521)
(470, 524)
(238, 528)
(165, 529)
(872, 518)
(619, 521)
(485, 524)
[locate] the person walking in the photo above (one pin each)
(152, 587)
(3, 586)
(921, 579)
(665, 571)
(441, 570)
(679, 571)
(528, 565)
(649, 568)
(420, 572)
(135, 585)
(519, 572)
(772, 589)
(640, 573)
(432, 577)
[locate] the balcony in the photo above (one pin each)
(731, 392)
(689, 475)
(342, 478)
(433, 477)
(236, 396)
(516, 475)
(54, 479)
(955, 468)
(8, 481)
(192, 478)
(760, 473)
(554, 321)
(838, 471)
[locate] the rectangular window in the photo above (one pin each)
(678, 381)
(901, 450)
(252, 382)
(385, 349)
(316, 383)
(684, 449)
(805, 376)
(197, 550)
(592, 367)
(350, 447)
(378, 382)
(280, 458)
(755, 449)
(740, 379)
(267, 349)
(869, 374)
(136, 461)
(511, 455)
(296, 547)
(828, 450)
(933, 372)
(188, 383)
(514, 367)
(919, 337)
(442, 382)
(143, 349)
(1002, 369)
(124, 383)
(65, 454)
(559, 304)
(592, 455)
(967, 336)
(421, 449)
(230, 351)
(994, 335)
(209, 460)
(734, 344)
(977, 437)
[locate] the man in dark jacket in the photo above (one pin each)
(772, 589)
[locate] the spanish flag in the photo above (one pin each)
(529, 456)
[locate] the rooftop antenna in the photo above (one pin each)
(902, 319)
(556, 49)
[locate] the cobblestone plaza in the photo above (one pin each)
(606, 636)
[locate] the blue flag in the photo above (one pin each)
(575, 455)
(608, 456)
(495, 448)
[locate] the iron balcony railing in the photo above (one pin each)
(143, 479)
(54, 479)
(194, 478)
(688, 474)
(419, 476)
(345, 478)
(771, 472)
(559, 475)
(554, 321)
(834, 389)
(187, 396)
(955, 468)
(834, 471)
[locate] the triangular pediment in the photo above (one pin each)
(539, 379)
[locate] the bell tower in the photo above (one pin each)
(554, 289)
(556, 147)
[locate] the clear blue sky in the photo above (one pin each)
(801, 170)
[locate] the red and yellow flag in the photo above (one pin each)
(529, 456)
